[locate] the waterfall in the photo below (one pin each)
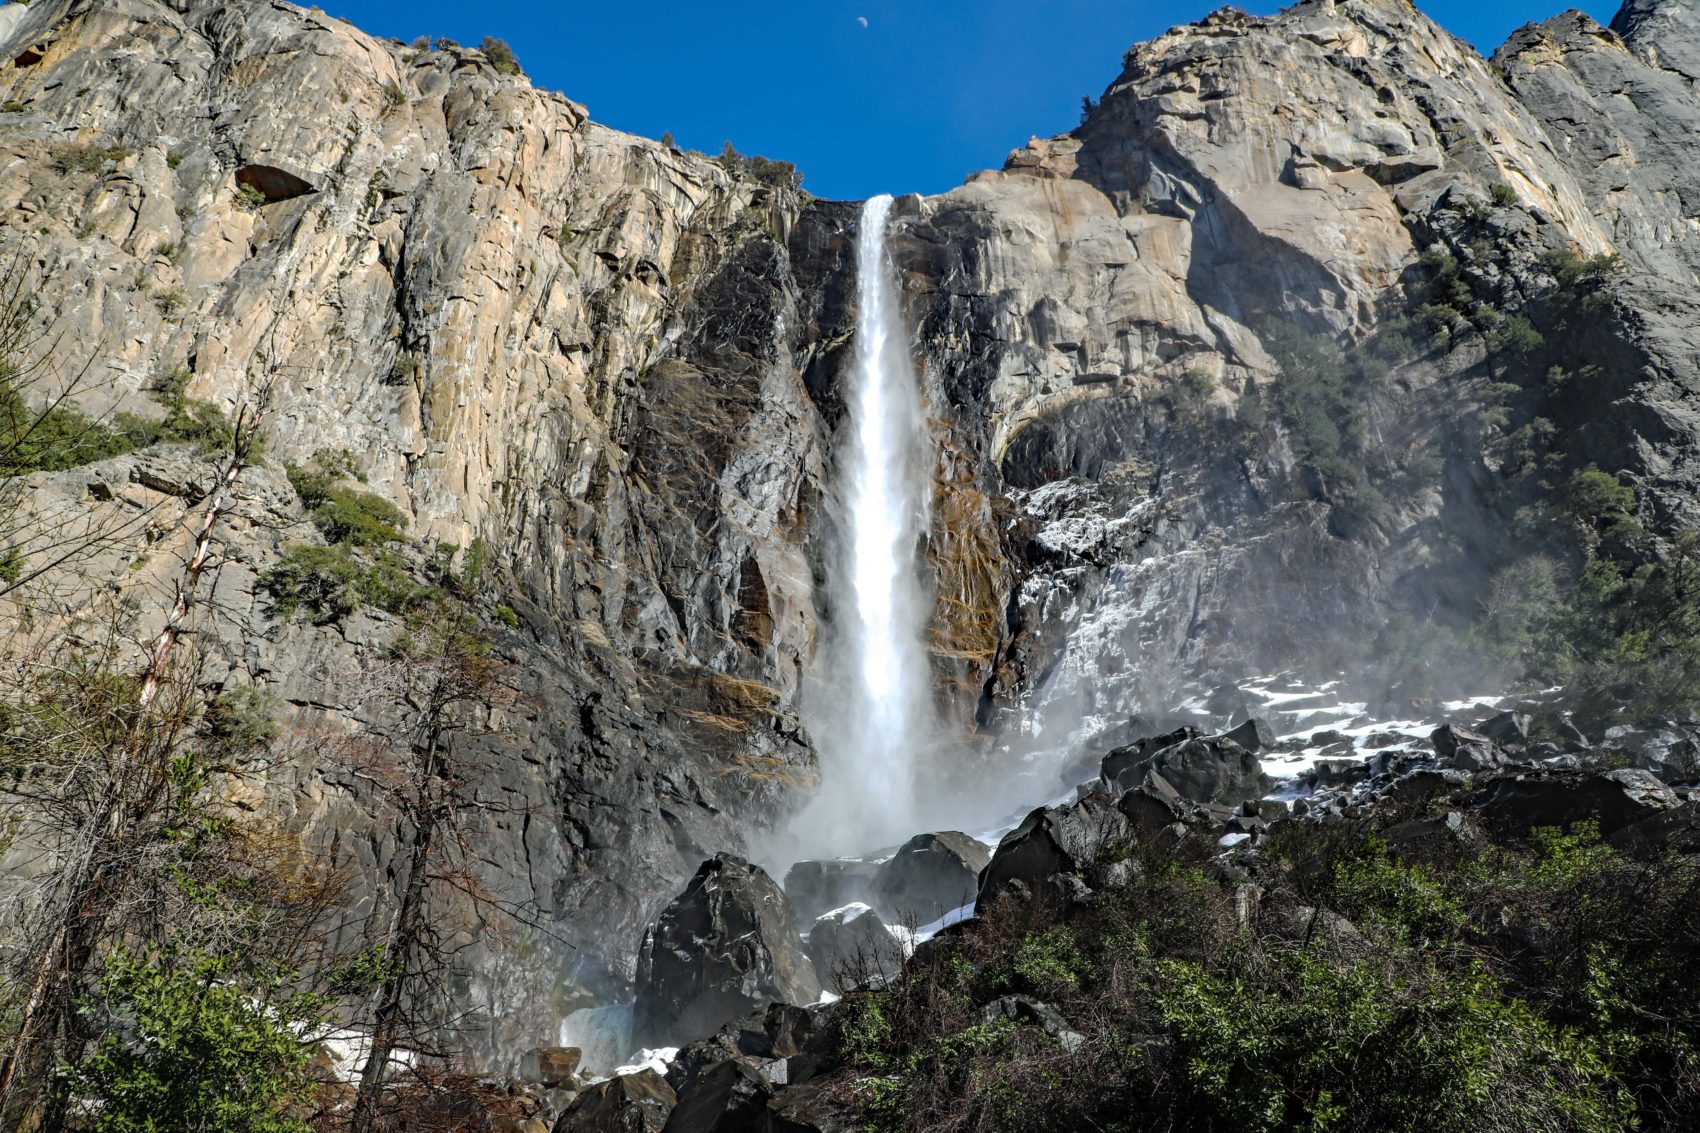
(870, 708)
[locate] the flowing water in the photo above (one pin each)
(870, 711)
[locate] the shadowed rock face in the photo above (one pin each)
(724, 947)
(617, 367)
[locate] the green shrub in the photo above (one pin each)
(1388, 1048)
(194, 1047)
(89, 159)
(347, 515)
(249, 198)
(1191, 387)
(320, 580)
(50, 439)
(500, 55)
(778, 174)
(1502, 196)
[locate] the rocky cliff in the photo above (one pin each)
(613, 368)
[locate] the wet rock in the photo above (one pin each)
(817, 887)
(1064, 840)
(1507, 729)
(728, 1097)
(1448, 738)
(853, 944)
(1254, 735)
(1611, 799)
(1203, 770)
(550, 1066)
(930, 875)
(725, 946)
(631, 1103)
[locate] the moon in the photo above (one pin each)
(863, 20)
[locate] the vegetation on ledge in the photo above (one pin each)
(1347, 978)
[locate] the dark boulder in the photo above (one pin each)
(550, 1065)
(1254, 735)
(816, 887)
(728, 1097)
(1202, 769)
(1508, 729)
(725, 946)
(1064, 840)
(854, 945)
(1448, 738)
(1154, 808)
(1121, 763)
(631, 1103)
(779, 1045)
(930, 875)
(1612, 800)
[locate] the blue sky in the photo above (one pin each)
(924, 94)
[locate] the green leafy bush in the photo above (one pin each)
(320, 580)
(195, 1046)
(346, 515)
(51, 438)
(501, 56)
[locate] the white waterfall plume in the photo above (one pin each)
(870, 707)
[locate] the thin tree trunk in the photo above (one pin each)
(399, 951)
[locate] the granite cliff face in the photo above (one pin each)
(615, 367)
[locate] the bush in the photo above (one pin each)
(779, 174)
(89, 159)
(320, 580)
(194, 1047)
(53, 438)
(501, 56)
(345, 515)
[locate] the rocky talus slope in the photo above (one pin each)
(614, 368)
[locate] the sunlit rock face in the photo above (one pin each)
(619, 368)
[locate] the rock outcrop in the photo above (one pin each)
(724, 947)
(930, 875)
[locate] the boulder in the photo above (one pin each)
(811, 1108)
(779, 1045)
(728, 1097)
(1448, 738)
(1202, 769)
(1050, 841)
(1254, 735)
(855, 945)
(549, 1066)
(1118, 767)
(930, 875)
(725, 946)
(1307, 925)
(1508, 729)
(1611, 799)
(819, 886)
(631, 1103)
